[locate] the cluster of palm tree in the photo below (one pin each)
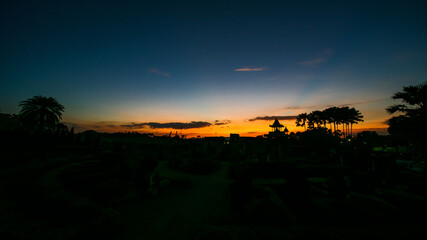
(334, 117)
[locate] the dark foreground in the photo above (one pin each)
(193, 190)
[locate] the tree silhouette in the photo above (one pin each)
(331, 114)
(411, 124)
(355, 118)
(301, 120)
(344, 116)
(41, 113)
(414, 101)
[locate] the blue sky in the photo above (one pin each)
(136, 61)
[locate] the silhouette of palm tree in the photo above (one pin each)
(332, 114)
(301, 120)
(411, 124)
(355, 118)
(415, 97)
(41, 113)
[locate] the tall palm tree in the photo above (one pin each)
(310, 120)
(332, 114)
(345, 119)
(355, 118)
(301, 120)
(41, 113)
(317, 118)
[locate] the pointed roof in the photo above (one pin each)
(276, 124)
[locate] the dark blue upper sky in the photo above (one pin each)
(127, 60)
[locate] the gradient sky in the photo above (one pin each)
(131, 62)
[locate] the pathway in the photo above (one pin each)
(176, 213)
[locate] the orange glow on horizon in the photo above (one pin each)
(243, 128)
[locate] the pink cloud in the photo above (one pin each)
(250, 69)
(158, 72)
(313, 61)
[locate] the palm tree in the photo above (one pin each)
(414, 100)
(333, 117)
(317, 118)
(310, 120)
(345, 119)
(41, 113)
(301, 120)
(410, 125)
(355, 118)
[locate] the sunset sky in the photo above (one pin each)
(209, 67)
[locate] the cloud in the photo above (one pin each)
(313, 61)
(269, 118)
(173, 125)
(250, 69)
(328, 106)
(223, 122)
(363, 102)
(298, 107)
(158, 72)
(321, 57)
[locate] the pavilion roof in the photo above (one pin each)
(276, 124)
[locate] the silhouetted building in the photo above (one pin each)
(277, 130)
(234, 138)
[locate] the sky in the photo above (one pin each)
(209, 67)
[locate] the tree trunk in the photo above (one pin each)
(343, 129)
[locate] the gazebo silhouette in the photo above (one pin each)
(276, 127)
(277, 130)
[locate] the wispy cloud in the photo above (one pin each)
(321, 57)
(339, 105)
(269, 118)
(313, 61)
(250, 69)
(298, 107)
(363, 102)
(158, 72)
(222, 122)
(173, 125)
